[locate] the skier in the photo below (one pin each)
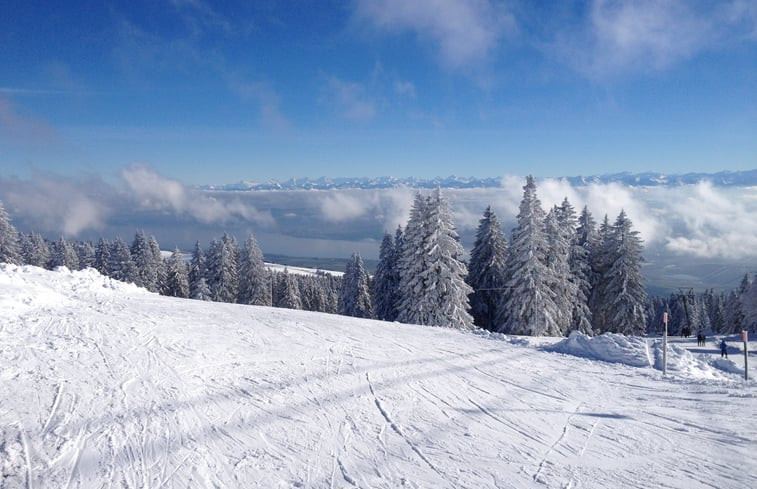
(723, 349)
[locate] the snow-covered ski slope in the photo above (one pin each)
(105, 385)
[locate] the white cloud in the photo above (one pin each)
(338, 206)
(388, 206)
(707, 221)
(464, 32)
(58, 205)
(642, 35)
(154, 192)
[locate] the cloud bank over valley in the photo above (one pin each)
(701, 221)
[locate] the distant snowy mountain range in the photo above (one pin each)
(744, 178)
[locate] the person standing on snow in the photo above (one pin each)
(723, 349)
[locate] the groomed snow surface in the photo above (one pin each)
(105, 385)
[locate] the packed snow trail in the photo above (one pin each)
(106, 385)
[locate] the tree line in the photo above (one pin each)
(559, 271)
(707, 312)
(224, 272)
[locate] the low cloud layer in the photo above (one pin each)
(157, 193)
(75, 207)
(698, 221)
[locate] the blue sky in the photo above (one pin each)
(207, 93)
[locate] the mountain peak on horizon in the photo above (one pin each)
(743, 178)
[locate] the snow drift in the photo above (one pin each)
(641, 352)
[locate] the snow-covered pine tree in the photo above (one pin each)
(142, 258)
(355, 296)
(623, 292)
(578, 232)
(385, 286)
(198, 284)
(749, 305)
(311, 292)
(120, 265)
(559, 236)
(587, 229)
(399, 244)
(63, 254)
(319, 291)
(432, 274)
(600, 261)
(529, 306)
(332, 285)
(147, 261)
(223, 269)
(34, 250)
(717, 312)
(287, 294)
(735, 310)
(254, 279)
(160, 266)
(412, 265)
(657, 306)
(9, 246)
(102, 256)
(177, 279)
(86, 253)
(486, 270)
(581, 259)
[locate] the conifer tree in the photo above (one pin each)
(34, 250)
(198, 284)
(86, 253)
(177, 280)
(159, 264)
(63, 254)
(223, 269)
(559, 235)
(578, 232)
(145, 263)
(432, 274)
(9, 246)
(623, 292)
(749, 303)
(332, 286)
(120, 265)
(412, 266)
(580, 265)
(102, 256)
(486, 270)
(529, 302)
(600, 261)
(735, 311)
(254, 280)
(385, 284)
(355, 296)
(287, 291)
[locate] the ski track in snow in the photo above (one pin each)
(105, 385)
